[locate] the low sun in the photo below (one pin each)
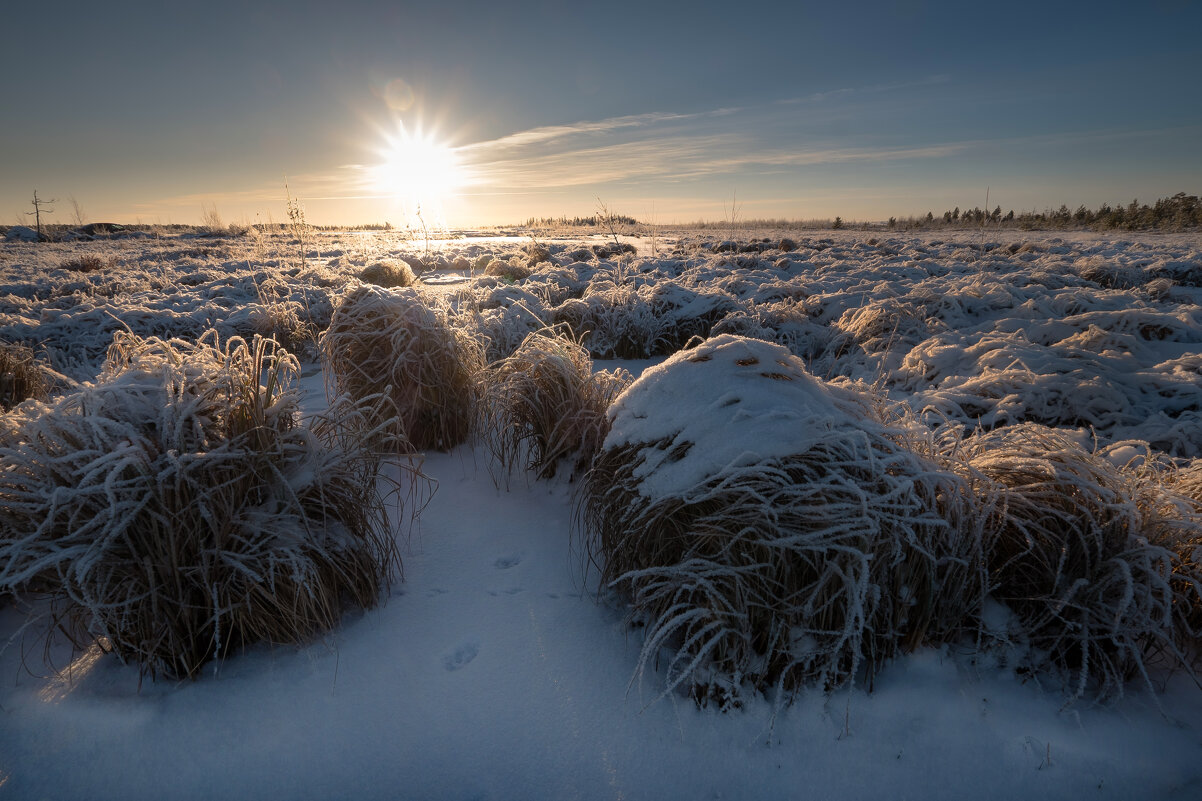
(418, 169)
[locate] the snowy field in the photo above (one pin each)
(495, 669)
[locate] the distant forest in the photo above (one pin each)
(592, 221)
(1177, 213)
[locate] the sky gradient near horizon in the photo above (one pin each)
(154, 113)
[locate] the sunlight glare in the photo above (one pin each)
(418, 169)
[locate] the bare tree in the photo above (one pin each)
(40, 206)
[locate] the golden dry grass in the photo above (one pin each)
(545, 404)
(388, 273)
(397, 344)
(1091, 558)
(22, 376)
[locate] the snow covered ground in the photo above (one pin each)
(492, 671)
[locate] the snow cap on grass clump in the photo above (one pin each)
(739, 402)
(395, 343)
(768, 526)
(1088, 557)
(544, 404)
(176, 510)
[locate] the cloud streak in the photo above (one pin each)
(672, 148)
(661, 147)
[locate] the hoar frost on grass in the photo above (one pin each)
(767, 527)
(771, 528)
(1097, 562)
(175, 510)
(1079, 332)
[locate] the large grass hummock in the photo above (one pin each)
(396, 344)
(176, 509)
(768, 527)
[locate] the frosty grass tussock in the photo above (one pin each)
(175, 510)
(545, 404)
(398, 344)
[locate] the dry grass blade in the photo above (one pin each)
(176, 508)
(395, 343)
(22, 376)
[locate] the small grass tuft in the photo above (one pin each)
(22, 375)
(544, 404)
(388, 273)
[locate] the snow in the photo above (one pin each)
(771, 408)
(493, 671)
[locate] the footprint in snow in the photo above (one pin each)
(510, 591)
(461, 656)
(506, 562)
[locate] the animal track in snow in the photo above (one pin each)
(506, 562)
(461, 656)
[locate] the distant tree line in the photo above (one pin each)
(583, 222)
(1176, 213)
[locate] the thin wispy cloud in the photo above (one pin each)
(670, 147)
(661, 146)
(549, 133)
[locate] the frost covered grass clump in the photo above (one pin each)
(770, 528)
(396, 344)
(544, 404)
(175, 510)
(1094, 561)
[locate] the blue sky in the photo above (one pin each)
(665, 111)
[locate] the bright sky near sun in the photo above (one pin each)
(492, 112)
